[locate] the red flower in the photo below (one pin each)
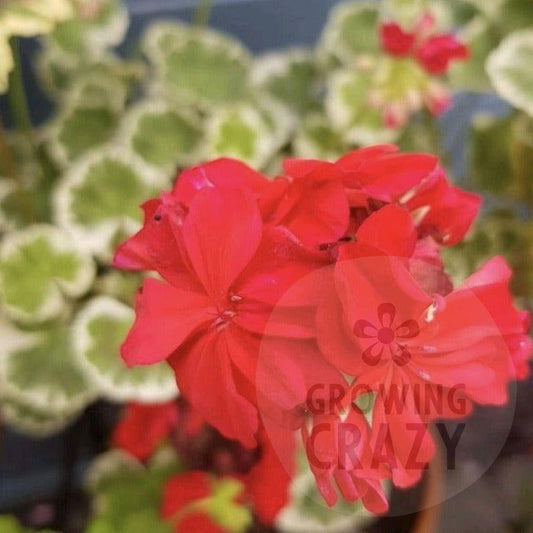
(459, 342)
(144, 427)
(378, 175)
(434, 52)
(221, 289)
(395, 40)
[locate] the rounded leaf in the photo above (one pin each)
(509, 69)
(98, 198)
(41, 269)
(97, 333)
(162, 135)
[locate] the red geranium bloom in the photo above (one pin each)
(379, 175)
(434, 52)
(227, 274)
(459, 341)
(144, 427)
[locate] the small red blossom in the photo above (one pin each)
(433, 51)
(144, 427)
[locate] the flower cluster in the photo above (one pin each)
(282, 304)
(216, 468)
(421, 54)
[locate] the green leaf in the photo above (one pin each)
(290, 77)
(9, 524)
(490, 153)
(349, 112)
(99, 197)
(160, 37)
(33, 17)
(91, 35)
(41, 269)
(522, 157)
(307, 512)
(316, 139)
(162, 135)
(97, 333)
(35, 422)
(509, 69)
(351, 31)
(132, 497)
(207, 69)
(224, 508)
(58, 388)
(110, 466)
(471, 75)
(242, 132)
(81, 128)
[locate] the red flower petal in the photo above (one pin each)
(221, 233)
(166, 317)
(436, 53)
(205, 376)
(143, 427)
(395, 40)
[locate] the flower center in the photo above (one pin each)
(386, 335)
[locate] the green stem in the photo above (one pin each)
(202, 13)
(18, 101)
(20, 111)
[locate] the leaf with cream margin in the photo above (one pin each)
(316, 139)
(97, 333)
(42, 268)
(100, 25)
(99, 196)
(351, 32)
(509, 69)
(42, 382)
(204, 68)
(162, 135)
(291, 77)
(348, 110)
(241, 132)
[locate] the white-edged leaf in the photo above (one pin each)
(40, 376)
(79, 128)
(291, 77)
(349, 112)
(509, 69)
(41, 268)
(204, 68)
(34, 422)
(308, 513)
(92, 35)
(110, 466)
(241, 132)
(98, 198)
(97, 333)
(481, 39)
(316, 139)
(351, 31)
(162, 135)
(160, 37)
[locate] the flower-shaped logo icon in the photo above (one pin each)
(386, 336)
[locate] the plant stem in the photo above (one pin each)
(17, 96)
(20, 111)
(202, 13)
(7, 161)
